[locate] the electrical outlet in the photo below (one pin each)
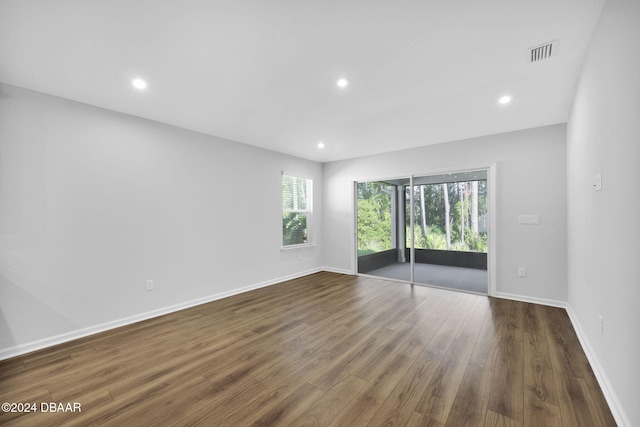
(522, 272)
(149, 285)
(601, 319)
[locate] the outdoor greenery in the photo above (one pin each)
(448, 216)
(466, 216)
(374, 217)
(296, 209)
(294, 228)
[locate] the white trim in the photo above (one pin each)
(436, 171)
(21, 349)
(492, 255)
(533, 300)
(492, 184)
(412, 231)
(353, 211)
(603, 381)
(300, 246)
(296, 175)
(309, 190)
(337, 270)
(607, 389)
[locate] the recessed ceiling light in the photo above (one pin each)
(139, 84)
(320, 144)
(505, 99)
(342, 83)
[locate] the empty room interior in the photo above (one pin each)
(336, 213)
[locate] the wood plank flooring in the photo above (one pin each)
(323, 350)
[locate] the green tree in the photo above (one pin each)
(461, 223)
(374, 217)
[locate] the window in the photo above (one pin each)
(296, 211)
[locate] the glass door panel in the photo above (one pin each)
(450, 233)
(380, 230)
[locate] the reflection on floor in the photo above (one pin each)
(467, 279)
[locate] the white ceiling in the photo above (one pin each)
(263, 72)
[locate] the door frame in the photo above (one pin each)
(491, 169)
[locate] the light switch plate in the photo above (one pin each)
(529, 219)
(597, 182)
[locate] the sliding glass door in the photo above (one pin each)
(381, 231)
(425, 229)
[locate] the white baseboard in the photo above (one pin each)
(612, 400)
(7, 353)
(609, 394)
(533, 300)
(337, 270)
(614, 404)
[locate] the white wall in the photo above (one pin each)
(94, 202)
(531, 179)
(603, 227)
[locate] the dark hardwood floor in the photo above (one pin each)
(323, 350)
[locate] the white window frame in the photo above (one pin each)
(308, 211)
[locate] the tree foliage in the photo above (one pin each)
(374, 217)
(466, 218)
(294, 228)
(461, 216)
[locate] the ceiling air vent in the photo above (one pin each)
(538, 53)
